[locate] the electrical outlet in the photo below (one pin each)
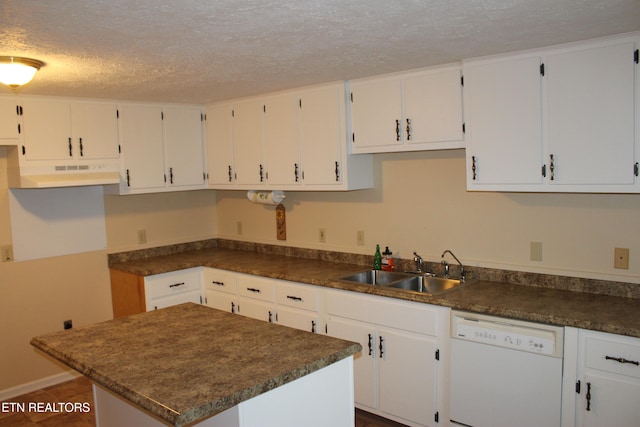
(6, 253)
(239, 228)
(621, 258)
(535, 250)
(360, 237)
(142, 236)
(322, 235)
(67, 324)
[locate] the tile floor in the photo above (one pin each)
(79, 390)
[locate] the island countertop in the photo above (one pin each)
(188, 362)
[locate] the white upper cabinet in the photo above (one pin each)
(219, 126)
(558, 120)
(281, 138)
(407, 112)
(503, 115)
(184, 146)
(247, 143)
(142, 147)
(293, 140)
(590, 115)
(9, 120)
(61, 130)
(162, 148)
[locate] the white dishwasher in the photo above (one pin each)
(504, 372)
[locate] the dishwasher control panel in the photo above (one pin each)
(507, 333)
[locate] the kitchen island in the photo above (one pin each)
(194, 365)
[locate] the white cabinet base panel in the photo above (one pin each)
(322, 398)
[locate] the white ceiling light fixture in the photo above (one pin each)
(16, 71)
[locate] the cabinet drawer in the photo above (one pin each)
(409, 316)
(220, 280)
(175, 282)
(618, 355)
(255, 287)
(299, 296)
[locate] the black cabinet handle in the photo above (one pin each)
(408, 129)
(175, 285)
(233, 307)
(381, 347)
(622, 360)
(588, 396)
(128, 179)
(337, 171)
(370, 344)
(552, 167)
(217, 283)
(170, 175)
(397, 130)
(70, 148)
(270, 316)
(81, 147)
(474, 167)
(261, 173)
(294, 298)
(295, 172)
(313, 326)
(230, 174)
(253, 290)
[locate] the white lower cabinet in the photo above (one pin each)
(176, 287)
(602, 384)
(256, 297)
(402, 369)
(298, 306)
(221, 290)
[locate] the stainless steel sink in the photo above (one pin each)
(376, 277)
(427, 284)
(423, 283)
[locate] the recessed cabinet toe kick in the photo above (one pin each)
(504, 372)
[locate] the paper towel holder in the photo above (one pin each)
(265, 197)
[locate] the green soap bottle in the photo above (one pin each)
(377, 259)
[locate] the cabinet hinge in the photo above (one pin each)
(544, 171)
(300, 103)
(203, 117)
(436, 417)
(161, 115)
(19, 129)
(438, 354)
(119, 149)
(326, 329)
(464, 127)
(24, 150)
(636, 56)
(542, 69)
(578, 387)
(351, 95)
(165, 178)
(233, 113)
(117, 114)
(635, 169)
(264, 108)
(461, 80)
(353, 137)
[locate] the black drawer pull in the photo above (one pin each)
(294, 298)
(175, 285)
(217, 283)
(622, 360)
(253, 290)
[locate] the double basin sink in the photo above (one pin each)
(410, 281)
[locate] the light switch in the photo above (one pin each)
(536, 251)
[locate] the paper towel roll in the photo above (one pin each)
(266, 197)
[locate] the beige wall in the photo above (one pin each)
(37, 296)
(420, 202)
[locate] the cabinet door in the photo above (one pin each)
(142, 146)
(322, 135)
(9, 115)
(221, 300)
(281, 139)
(376, 113)
(590, 121)
(195, 297)
(182, 130)
(407, 369)
(257, 309)
(433, 107)
(299, 319)
(47, 130)
(503, 123)
(613, 402)
(220, 144)
(365, 376)
(247, 143)
(95, 130)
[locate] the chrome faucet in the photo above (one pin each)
(446, 265)
(418, 260)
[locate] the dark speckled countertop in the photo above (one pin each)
(544, 304)
(212, 360)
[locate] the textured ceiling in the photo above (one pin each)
(198, 51)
